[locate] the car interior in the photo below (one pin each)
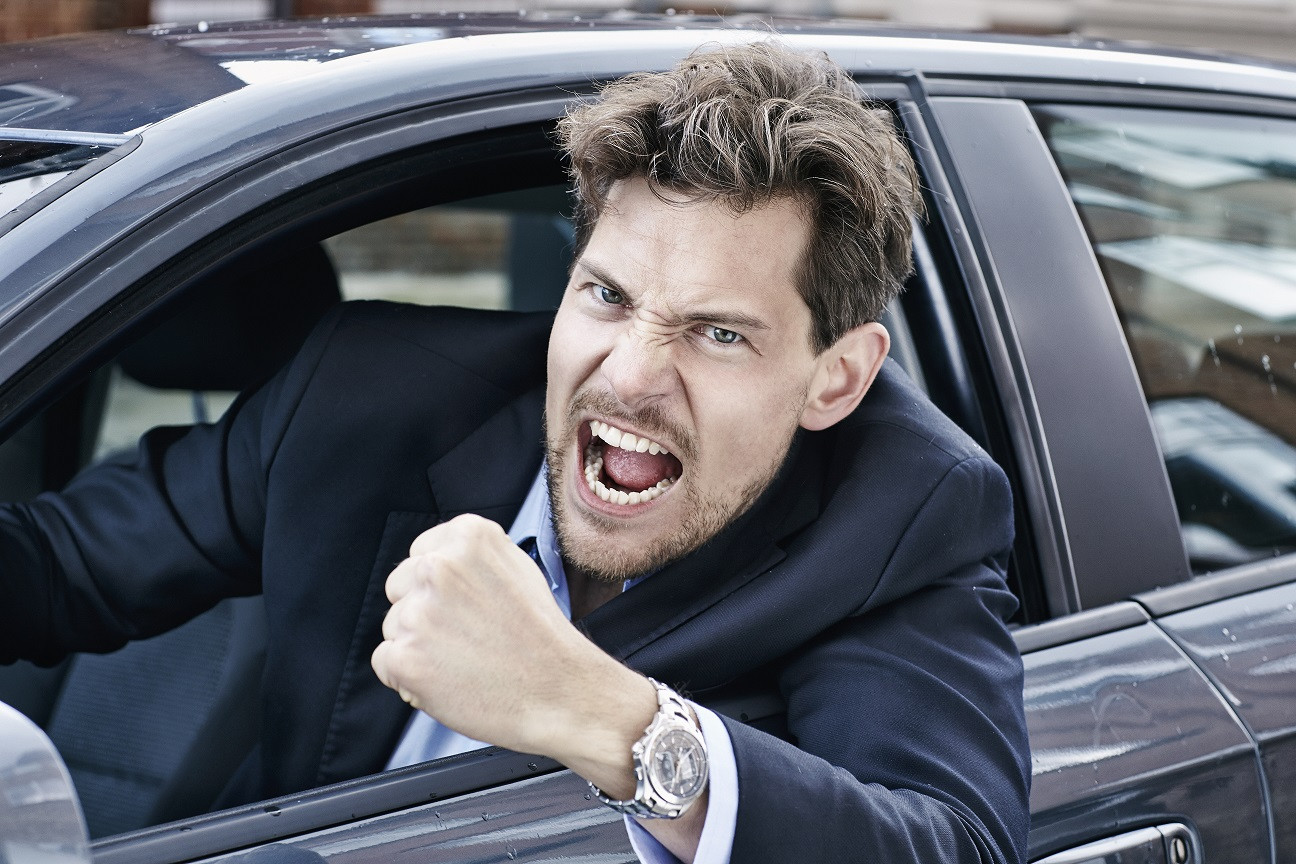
(153, 732)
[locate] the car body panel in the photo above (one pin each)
(1124, 730)
(1247, 645)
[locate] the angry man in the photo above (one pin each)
(701, 478)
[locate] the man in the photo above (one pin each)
(735, 491)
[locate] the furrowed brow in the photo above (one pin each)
(727, 320)
(724, 319)
(600, 275)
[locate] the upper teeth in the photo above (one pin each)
(625, 440)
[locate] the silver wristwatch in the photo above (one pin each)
(670, 762)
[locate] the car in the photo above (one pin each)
(1104, 297)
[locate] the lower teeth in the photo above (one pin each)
(594, 466)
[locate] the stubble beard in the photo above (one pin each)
(585, 547)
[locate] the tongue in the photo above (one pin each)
(636, 472)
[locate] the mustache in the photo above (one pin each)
(650, 419)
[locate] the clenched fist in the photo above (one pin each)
(475, 639)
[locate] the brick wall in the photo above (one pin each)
(332, 7)
(28, 19)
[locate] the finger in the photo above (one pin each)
(378, 662)
(391, 624)
(433, 537)
(403, 580)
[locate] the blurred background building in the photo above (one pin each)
(1262, 28)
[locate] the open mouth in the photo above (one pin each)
(624, 468)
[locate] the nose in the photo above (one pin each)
(639, 368)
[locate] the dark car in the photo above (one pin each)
(1104, 298)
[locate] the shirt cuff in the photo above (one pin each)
(722, 803)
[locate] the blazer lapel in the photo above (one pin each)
(491, 471)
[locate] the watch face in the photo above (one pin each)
(678, 766)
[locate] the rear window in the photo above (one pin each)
(1193, 219)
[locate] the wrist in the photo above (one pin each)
(599, 716)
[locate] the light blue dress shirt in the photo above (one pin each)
(425, 738)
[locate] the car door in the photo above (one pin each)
(1158, 695)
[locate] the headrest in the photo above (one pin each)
(243, 322)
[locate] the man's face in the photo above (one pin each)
(681, 326)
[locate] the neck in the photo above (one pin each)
(586, 592)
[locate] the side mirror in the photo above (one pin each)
(40, 816)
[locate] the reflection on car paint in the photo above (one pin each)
(1155, 736)
(40, 819)
(1247, 645)
(549, 818)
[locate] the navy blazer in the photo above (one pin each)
(865, 588)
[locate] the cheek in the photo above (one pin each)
(746, 439)
(575, 353)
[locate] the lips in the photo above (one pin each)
(625, 469)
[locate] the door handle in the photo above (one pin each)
(1171, 843)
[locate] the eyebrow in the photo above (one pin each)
(725, 320)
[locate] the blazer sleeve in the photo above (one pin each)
(910, 739)
(135, 546)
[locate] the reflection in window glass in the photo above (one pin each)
(1193, 217)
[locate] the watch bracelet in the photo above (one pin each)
(668, 703)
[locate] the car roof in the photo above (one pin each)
(118, 82)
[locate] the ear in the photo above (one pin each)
(844, 373)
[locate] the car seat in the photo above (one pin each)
(154, 731)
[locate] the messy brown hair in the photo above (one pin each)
(749, 125)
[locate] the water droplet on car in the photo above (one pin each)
(1210, 343)
(202, 26)
(1237, 331)
(588, 796)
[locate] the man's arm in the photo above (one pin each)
(133, 547)
(907, 716)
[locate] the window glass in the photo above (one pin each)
(1193, 218)
(507, 251)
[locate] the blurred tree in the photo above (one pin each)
(28, 19)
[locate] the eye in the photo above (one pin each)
(722, 336)
(609, 295)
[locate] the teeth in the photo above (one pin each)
(594, 467)
(625, 440)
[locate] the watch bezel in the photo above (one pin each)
(650, 744)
